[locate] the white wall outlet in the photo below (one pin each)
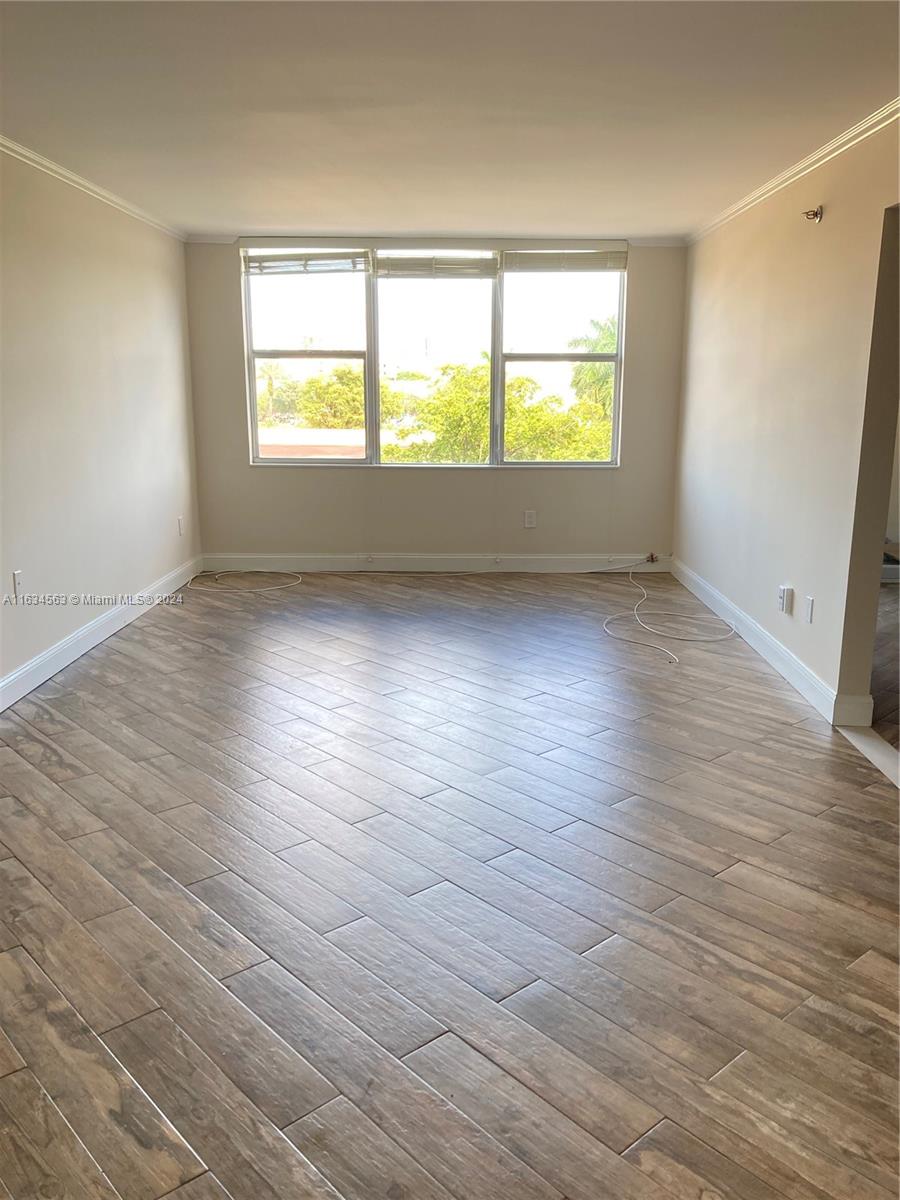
(786, 599)
(181, 526)
(808, 611)
(18, 586)
(530, 518)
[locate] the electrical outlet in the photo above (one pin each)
(808, 613)
(530, 518)
(18, 586)
(786, 599)
(181, 526)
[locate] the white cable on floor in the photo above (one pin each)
(635, 614)
(217, 575)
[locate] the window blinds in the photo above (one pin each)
(612, 257)
(437, 267)
(306, 264)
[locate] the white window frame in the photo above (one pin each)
(251, 354)
(370, 356)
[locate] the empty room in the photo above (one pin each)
(449, 600)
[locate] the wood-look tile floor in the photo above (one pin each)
(392, 887)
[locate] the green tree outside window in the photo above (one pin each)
(446, 418)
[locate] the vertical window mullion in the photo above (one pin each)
(497, 371)
(373, 380)
(250, 368)
(615, 444)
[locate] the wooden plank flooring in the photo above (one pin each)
(421, 888)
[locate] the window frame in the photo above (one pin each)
(248, 247)
(251, 354)
(507, 356)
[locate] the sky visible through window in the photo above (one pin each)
(542, 312)
(426, 324)
(309, 312)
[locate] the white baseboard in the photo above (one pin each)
(890, 572)
(879, 752)
(852, 710)
(46, 664)
(558, 563)
(838, 708)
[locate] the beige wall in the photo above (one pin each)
(96, 425)
(892, 532)
(777, 348)
(437, 510)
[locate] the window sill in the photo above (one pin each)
(511, 466)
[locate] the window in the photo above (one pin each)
(434, 351)
(307, 319)
(560, 357)
(447, 357)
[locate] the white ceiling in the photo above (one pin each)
(637, 119)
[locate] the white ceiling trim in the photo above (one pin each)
(675, 240)
(875, 121)
(460, 241)
(213, 239)
(7, 146)
(851, 137)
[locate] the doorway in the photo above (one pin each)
(870, 655)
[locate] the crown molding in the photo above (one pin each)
(212, 239)
(858, 133)
(461, 240)
(673, 240)
(23, 154)
(851, 137)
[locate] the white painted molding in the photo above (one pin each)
(23, 154)
(865, 128)
(460, 241)
(879, 752)
(668, 240)
(466, 563)
(890, 572)
(836, 708)
(45, 665)
(213, 239)
(852, 710)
